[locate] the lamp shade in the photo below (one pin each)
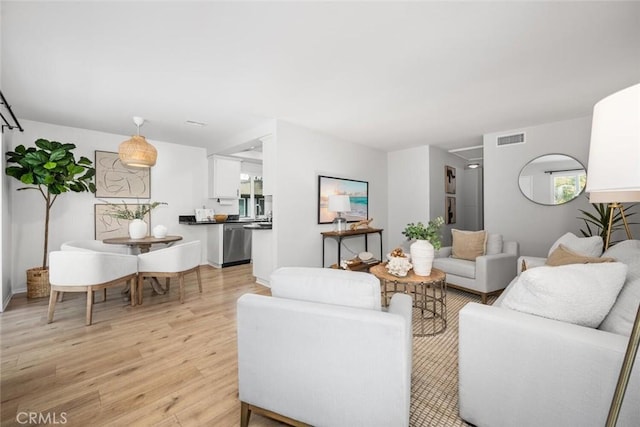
(614, 153)
(339, 203)
(137, 152)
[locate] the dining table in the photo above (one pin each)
(143, 245)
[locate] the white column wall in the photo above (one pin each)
(301, 156)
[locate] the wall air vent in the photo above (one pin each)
(516, 138)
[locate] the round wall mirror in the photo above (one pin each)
(552, 179)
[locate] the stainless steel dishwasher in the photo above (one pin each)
(236, 245)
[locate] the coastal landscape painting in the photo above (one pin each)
(358, 192)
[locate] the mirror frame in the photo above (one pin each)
(544, 155)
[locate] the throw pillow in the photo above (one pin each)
(589, 246)
(468, 244)
(576, 293)
(563, 256)
(494, 244)
(623, 313)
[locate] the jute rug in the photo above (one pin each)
(434, 380)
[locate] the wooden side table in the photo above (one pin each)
(339, 235)
(429, 294)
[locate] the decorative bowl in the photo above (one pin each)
(220, 217)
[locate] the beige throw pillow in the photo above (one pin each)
(562, 255)
(468, 244)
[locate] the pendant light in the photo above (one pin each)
(137, 152)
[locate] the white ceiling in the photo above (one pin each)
(388, 75)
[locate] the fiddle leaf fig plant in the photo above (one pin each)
(51, 169)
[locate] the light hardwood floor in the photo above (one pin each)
(162, 363)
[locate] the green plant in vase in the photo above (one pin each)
(427, 240)
(596, 223)
(429, 232)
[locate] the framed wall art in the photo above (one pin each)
(358, 192)
(107, 226)
(450, 210)
(113, 179)
(450, 180)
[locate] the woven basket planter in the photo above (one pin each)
(38, 282)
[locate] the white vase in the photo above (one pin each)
(137, 229)
(422, 254)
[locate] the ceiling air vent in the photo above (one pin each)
(516, 138)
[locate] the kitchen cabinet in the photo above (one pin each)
(224, 177)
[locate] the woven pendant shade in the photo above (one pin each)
(137, 152)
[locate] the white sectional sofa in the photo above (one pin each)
(519, 369)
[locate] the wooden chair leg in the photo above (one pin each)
(140, 290)
(484, 298)
(53, 297)
(199, 279)
(167, 283)
(133, 286)
(104, 295)
(89, 305)
(245, 414)
(60, 296)
(181, 280)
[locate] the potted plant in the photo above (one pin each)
(137, 226)
(427, 241)
(600, 220)
(50, 168)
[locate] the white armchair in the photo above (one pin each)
(174, 261)
(488, 275)
(88, 271)
(321, 351)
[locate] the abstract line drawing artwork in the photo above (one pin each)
(113, 179)
(107, 226)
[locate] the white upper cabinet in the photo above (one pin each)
(224, 177)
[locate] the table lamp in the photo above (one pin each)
(339, 203)
(614, 177)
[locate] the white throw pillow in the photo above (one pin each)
(589, 246)
(623, 313)
(576, 293)
(494, 244)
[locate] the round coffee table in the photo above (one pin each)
(429, 294)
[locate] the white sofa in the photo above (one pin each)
(488, 274)
(321, 351)
(520, 369)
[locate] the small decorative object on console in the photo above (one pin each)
(364, 224)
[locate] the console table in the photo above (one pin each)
(339, 235)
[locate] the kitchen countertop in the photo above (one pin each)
(191, 220)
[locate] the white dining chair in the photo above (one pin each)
(174, 261)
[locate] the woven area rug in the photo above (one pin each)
(434, 381)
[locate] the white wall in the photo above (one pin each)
(301, 156)
(471, 209)
(408, 178)
(507, 211)
(5, 231)
(179, 178)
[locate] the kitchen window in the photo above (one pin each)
(251, 201)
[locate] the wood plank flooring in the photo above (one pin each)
(161, 364)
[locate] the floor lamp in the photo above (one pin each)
(614, 177)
